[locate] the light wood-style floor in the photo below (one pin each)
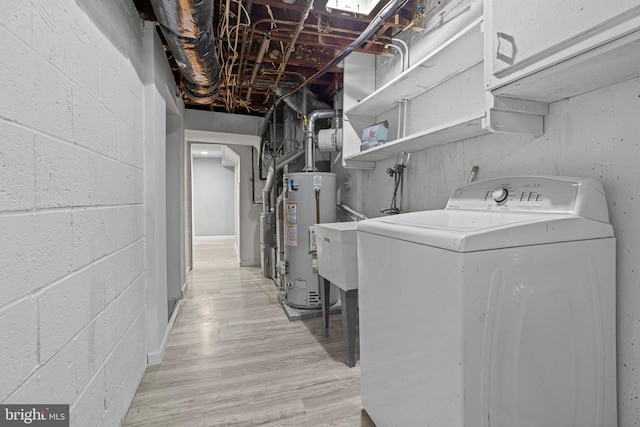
(234, 359)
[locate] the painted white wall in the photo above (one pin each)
(162, 142)
(213, 197)
(213, 121)
(72, 269)
(231, 158)
(595, 135)
(175, 183)
(445, 21)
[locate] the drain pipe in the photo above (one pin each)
(353, 213)
(311, 121)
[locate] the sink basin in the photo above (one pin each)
(338, 253)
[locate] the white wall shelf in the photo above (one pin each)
(458, 54)
(464, 128)
(501, 115)
(456, 65)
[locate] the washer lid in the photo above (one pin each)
(469, 231)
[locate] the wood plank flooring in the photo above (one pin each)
(234, 359)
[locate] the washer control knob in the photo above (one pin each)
(500, 195)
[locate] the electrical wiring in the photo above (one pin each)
(229, 41)
(386, 12)
(389, 10)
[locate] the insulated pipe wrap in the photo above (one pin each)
(187, 27)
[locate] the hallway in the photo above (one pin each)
(233, 358)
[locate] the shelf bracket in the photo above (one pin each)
(513, 115)
(356, 164)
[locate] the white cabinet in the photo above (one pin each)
(546, 50)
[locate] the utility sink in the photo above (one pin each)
(338, 253)
(337, 249)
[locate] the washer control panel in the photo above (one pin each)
(539, 194)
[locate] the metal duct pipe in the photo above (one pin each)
(271, 174)
(263, 48)
(288, 158)
(187, 27)
(267, 190)
(318, 114)
(296, 102)
(304, 101)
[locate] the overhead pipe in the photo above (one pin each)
(344, 33)
(386, 12)
(263, 48)
(318, 114)
(390, 9)
(406, 55)
(187, 26)
(294, 39)
(423, 12)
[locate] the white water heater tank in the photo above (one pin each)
(310, 198)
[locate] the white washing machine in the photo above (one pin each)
(498, 311)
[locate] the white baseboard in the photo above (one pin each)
(155, 357)
(214, 237)
(250, 263)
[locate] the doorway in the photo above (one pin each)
(214, 195)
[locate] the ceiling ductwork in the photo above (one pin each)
(296, 101)
(187, 26)
(232, 55)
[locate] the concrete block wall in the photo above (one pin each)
(72, 266)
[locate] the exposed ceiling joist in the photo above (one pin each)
(240, 27)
